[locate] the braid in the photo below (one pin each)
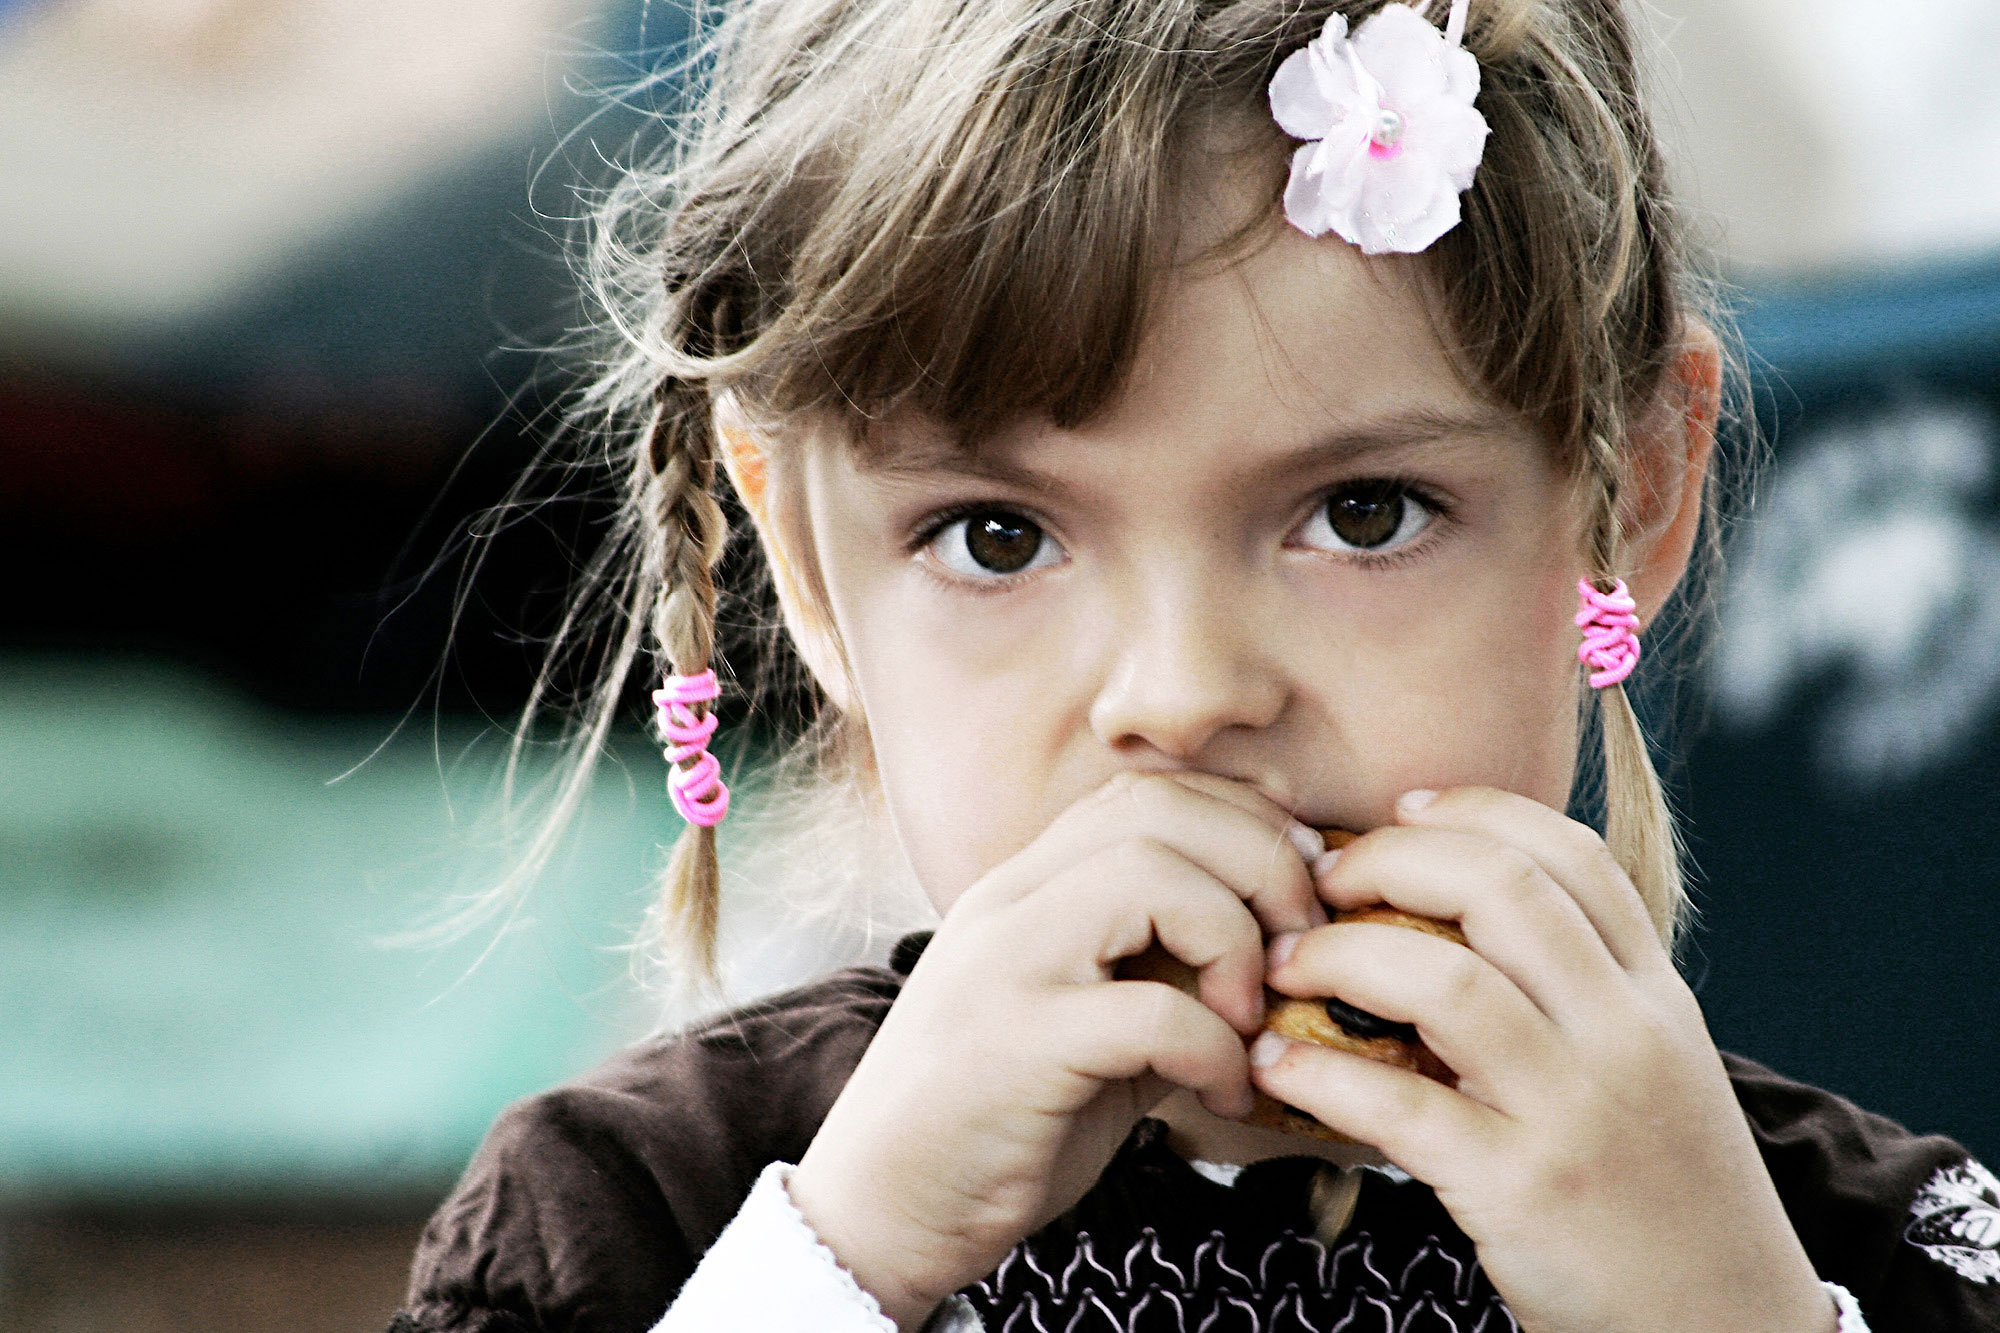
(1638, 824)
(686, 534)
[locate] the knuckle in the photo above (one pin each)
(1407, 1103)
(1632, 1045)
(1461, 983)
(1599, 862)
(1162, 1015)
(1522, 884)
(1565, 1174)
(1658, 1035)
(1584, 841)
(1246, 937)
(1593, 853)
(1229, 937)
(1139, 858)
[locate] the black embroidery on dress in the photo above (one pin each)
(1302, 1287)
(1155, 1247)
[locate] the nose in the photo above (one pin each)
(1187, 666)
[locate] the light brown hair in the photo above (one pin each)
(964, 207)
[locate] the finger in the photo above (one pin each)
(1116, 903)
(1252, 801)
(1420, 1125)
(1248, 849)
(1126, 1029)
(1571, 853)
(1501, 1046)
(1308, 841)
(1256, 847)
(1513, 914)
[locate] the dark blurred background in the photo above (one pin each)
(273, 281)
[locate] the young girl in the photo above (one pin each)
(1174, 427)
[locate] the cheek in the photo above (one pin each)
(966, 713)
(940, 799)
(963, 736)
(1475, 688)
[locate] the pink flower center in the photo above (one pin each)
(1385, 141)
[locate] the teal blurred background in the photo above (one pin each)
(197, 888)
(272, 283)
(273, 278)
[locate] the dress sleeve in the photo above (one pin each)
(559, 1226)
(588, 1208)
(768, 1273)
(1908, 1223)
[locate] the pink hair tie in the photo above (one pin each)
(698, 791)
(1609, 646)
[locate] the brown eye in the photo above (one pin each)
(990, 542)
(1368, 516)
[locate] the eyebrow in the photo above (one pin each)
(1389, 434)
(920, 461)
(1386, 434)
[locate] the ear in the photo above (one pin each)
(781, 531)
(1665, 497)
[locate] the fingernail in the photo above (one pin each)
(1281, 948)
(1308, 841)
(1267, 1050)
(1323, 865)
(1413, 801)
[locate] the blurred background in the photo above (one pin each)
(272, 279)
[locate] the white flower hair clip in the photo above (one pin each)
(1394, 138)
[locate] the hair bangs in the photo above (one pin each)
(983, 249)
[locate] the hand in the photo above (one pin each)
(1012, 1066)
(1593, 1149)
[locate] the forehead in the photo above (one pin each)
(1269, 345)
(1296, 334)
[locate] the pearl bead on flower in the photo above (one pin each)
(1389, 126)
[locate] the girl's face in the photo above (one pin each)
(1296, 551)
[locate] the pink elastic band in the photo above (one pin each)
(1609, 646)
(697, 791)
